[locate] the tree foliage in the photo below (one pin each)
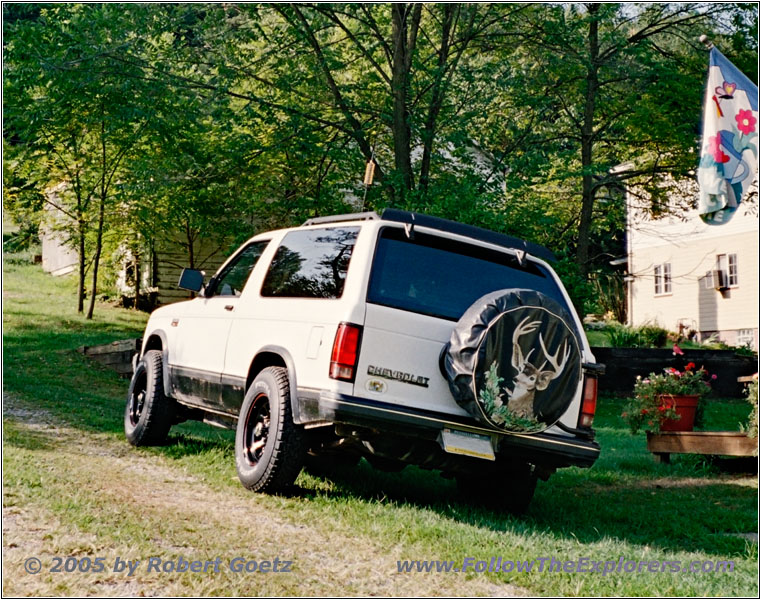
(223, 119)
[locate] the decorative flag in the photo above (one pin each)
(729, 151)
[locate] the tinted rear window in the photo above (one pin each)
(311, 264)
(438, 277)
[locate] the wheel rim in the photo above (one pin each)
(137, 399)
(256, 429)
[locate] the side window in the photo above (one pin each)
(311, 264)
(232, 279)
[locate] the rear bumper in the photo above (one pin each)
(546, 449)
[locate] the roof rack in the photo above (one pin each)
(471, 231)
(416, 219)
(363, 216)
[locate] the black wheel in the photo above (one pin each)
(508, 489)
(149, 413)
(269, 448)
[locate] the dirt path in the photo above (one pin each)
(111, 501)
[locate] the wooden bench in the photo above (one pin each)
(721, 443)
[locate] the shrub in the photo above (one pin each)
(622, 336)
(653, 336)
(644, 336)
(752, 429)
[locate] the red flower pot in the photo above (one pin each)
(685, 407)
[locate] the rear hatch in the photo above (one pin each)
(419, 286)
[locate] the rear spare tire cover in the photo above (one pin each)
(513, 360)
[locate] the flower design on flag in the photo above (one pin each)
(714, 147)
(746, 122)
(730, 149)
(726, 90)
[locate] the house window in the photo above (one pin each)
(728, 264)
(662, 277)
(732, 262)
(666, 278)
(745, 337)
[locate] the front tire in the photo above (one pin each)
(149, 414)
(269, 448)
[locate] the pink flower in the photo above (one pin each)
(677, 351)
(714, 147)
(746, 122)
(714, 377)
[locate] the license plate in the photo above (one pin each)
(467, 444)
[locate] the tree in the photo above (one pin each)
(345, 84)
(73, 120)
(623, 86)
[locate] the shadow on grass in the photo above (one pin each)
(679, 515)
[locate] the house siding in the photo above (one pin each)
(691, 248)
(169, 258)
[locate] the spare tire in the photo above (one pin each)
(513, 360)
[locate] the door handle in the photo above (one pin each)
(229, 306)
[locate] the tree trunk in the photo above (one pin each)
(81, 282)
(96, 257)
(101, 217)
(587, 143)
(136, 254)
(191, 251)
(404, 38)
(437, 97)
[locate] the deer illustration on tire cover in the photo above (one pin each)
(531, 378)
(513, 362)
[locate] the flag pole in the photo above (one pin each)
(704, 39)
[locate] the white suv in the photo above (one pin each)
(403, 338)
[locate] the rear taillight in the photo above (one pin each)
(588, 402)
(343, 360)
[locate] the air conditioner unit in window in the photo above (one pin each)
(720, 280)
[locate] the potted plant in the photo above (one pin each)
(669, 401)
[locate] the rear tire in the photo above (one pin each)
(149, 414)
(328, 463)
(270, 448)
(508, 489)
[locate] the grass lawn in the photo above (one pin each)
(73, 487)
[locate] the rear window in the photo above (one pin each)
(311, 264)
(442, 278)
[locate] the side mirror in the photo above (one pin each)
(191, 280)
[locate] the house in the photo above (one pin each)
(160, 266)
(58, 257)
(160, 263)
(694, 278)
